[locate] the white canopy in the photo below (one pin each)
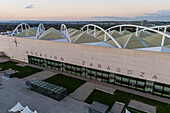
(18, 107)
(26, 110)
(127, 111)
(35, 111)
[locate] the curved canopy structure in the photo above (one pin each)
(51, 34)
(133, 37)
(64, 30)
(144, 28)
(40, 30)
(105, 36)
(27, 33)
(20, 28)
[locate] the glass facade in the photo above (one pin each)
(102, 76)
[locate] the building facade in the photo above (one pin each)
(141, 70)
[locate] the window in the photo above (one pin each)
(141, 83)
(104, 80)
(111, 80)
(149, 84)
(125, 80)
(88, 76)
(52, 63)
(133, 82)
(83, 74)
(118, 78)
(105, 75)
(99, 79)
(158, 87)
(167, 89)
(93, 72)
(83, 69)
(56, 64)
(112, 75)
(93, 77)
(77, 68)
(99, 73)
(88, 70)
(68, 66)
(73, 67)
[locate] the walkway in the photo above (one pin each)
(1, 53)
(142, 106)
(41, 75)
(4, 59)
(86, 89)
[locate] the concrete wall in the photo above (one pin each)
(153, 66)
(2, 53)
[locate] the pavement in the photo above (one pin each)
(4, 59)
(40, 75)
(86, 89)
(14, 91)
(141, 106)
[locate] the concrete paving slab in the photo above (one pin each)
(86, 89)
(4, 59)
(14, 91)
(141, 106)
(22, 64)
(40, 75)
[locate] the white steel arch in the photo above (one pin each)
(144, 28)
(158, 27)
(23, 27)
(64, 30)
(40, 30)
(106, 33)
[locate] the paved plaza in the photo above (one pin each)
(142, 106)
(86, 89)
(14, 91)
(40, 75)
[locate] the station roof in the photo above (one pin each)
(27, 33)
(127, 39)
(51, 34)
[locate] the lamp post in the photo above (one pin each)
(168, 101)
(132, 86)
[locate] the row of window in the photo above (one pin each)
(134, 83)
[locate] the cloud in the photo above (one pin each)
(162, 15)
(30, 6)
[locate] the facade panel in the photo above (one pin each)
(144, 65)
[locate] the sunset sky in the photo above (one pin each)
(68, 10)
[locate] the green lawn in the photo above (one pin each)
(161, 107)
(123, 97)
(101, 97)
(23, 71)
(67, 82)
(133, 110)
(107, 98)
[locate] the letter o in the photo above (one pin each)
(130, 72)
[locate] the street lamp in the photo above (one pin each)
(169, 100)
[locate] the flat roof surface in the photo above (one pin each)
(99, 107)
(48, 86)
(141, 106)
(117, 107)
